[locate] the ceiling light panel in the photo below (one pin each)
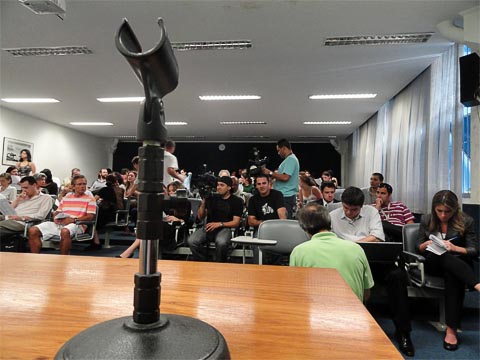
(379, 39)
(212, 45)
(49, 51)
(342, 96)
(228, 97)
(93, 123)
(30, 100)
(243, 123)
(121, 99)
(327, 122)
(176, 123)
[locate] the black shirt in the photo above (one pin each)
(221, 210)
(265, 208)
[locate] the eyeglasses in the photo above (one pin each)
(81, 184)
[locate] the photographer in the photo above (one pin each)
(286, 177)
(223, 212)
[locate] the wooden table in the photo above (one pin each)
(264, 312)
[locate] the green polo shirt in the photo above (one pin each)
(326, 250)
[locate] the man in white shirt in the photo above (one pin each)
(170, 164)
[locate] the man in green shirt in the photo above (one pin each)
(326, 250)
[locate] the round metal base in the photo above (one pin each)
(173, 337)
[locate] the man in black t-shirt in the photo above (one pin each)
(223, 212)
(265, 204)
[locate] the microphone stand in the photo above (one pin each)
(149, 334)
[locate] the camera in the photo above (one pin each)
(256, 164)
(205, 185)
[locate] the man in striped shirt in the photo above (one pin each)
(394, 214)
(75, 206)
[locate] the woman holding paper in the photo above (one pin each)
(456, 230)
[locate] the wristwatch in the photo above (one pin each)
(270, 173)
(222, 224)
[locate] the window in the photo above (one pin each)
(466, 154)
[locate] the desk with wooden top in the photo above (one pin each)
(264, 312)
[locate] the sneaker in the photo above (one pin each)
(93, 247)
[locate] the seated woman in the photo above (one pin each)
(456, 230)
(50, 185)
(109, 200)
(6, 188)
(308, 190)
(171, 219)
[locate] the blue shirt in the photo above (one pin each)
(289, 166)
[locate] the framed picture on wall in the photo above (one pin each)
(12, 148)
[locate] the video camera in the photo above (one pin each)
(205, 185)
(256, 165)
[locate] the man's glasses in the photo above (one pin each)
(81, 184)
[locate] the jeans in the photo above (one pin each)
(198, 243)
(290, 205)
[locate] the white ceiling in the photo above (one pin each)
(286, 63)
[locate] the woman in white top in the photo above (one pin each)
(6, 189)
(308, 190)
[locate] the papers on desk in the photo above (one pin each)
(437, 246)
(6, 208)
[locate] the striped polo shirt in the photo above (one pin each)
(396, 213)
(77, 206)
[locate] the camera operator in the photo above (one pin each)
(286, 177)
(223, 212)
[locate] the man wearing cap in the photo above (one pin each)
(223, 212)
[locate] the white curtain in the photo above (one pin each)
(414, 140)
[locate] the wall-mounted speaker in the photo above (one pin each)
(470, 80)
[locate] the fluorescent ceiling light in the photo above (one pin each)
(243, 123)
(49, 51)
(342, 96)
(327, 122)
(229, 97)
(30, 100)
(85, 123)
(379, 39)
(122, 99)
(176, 123)
(212, 45)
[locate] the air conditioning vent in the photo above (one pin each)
(43, 7)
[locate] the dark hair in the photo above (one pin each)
(29, 154)
(169, 144)
(110, 180)
(76, 177)
(30, 179)
(48, 174)
(176, 185)
(135, 160)
(119, 177)
(450, 200)
(124, 171)
(327, 184)
(353, 196)
(284, 142)
(74, 169)
(386, 186)
(10, 169)
(262, 175)
(327, 172)
(313, 217)
(380, 176)
(7, 177)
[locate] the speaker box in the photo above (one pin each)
(469, 80)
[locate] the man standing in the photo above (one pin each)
(223, 212)
(74, 206)
(328, 251)
(31, 204)
(354, 221)
(170, 164)
(265, 204)
(394, 214)
(286, 177)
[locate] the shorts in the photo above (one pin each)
(50, 229)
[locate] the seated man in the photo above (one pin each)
(354, 221)
(223, 212)
(100, 182)
(394, 214)
(326, 250)
(265, 204)
(31, 204)
(328, 193)
(76, 206)
(371, 192)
